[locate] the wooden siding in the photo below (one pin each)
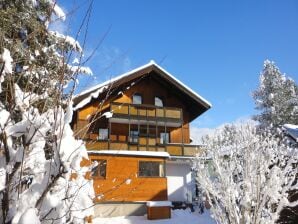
(115, 186)
(148, 89)
(160, 212)
(174, 108)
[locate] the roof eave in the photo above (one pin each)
(151, 66)
(184, 88)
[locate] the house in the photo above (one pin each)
(290, 214)
(291, 131)
(136, 128)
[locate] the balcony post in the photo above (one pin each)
(156, 133)
(110, 133)
(147, 137)
(138, 145)
(182, 131)
(128, 136)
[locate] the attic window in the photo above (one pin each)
(137, 99)
(158, 102)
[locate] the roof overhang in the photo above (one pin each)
(83, 98)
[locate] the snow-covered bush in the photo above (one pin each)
(41, 179)
(251, 174)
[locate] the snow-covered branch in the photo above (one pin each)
(41, 180)
(249, 176)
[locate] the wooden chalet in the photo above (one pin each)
(136, 126)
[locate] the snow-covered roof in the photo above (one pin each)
(130, 153)
(83, 98)
(292, 130)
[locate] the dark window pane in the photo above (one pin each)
(100, 169)
(151, 169)
(134, 136)
(143, 130)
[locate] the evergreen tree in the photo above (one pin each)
(41, 179)
(276, 98)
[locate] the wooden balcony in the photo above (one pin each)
(122, 112)
(173, 149)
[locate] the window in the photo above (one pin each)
(143, 130)
(158, 102)
(151, 169)
(164, 138)
(103, 134)
(99, 171)
(137, 99)
(134, 136)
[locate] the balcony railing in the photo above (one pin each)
(148, 112)
(174, 149)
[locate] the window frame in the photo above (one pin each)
(101, 163)
(162, 173)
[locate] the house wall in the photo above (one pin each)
(148, 88)
(181, 185)
(115, 186)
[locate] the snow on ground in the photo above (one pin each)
(178, 217)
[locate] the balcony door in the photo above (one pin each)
(134, 136)
(164, 138)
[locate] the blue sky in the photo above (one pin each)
(217, 48)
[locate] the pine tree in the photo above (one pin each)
(276, 98)
(40, 174)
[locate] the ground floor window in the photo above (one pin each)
(151, 169)
(100, 169)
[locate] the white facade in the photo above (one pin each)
(181, 184)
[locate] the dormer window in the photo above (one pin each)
(158, 102)
(137, 99)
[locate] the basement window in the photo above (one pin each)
(100, 170)
(151, 169)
